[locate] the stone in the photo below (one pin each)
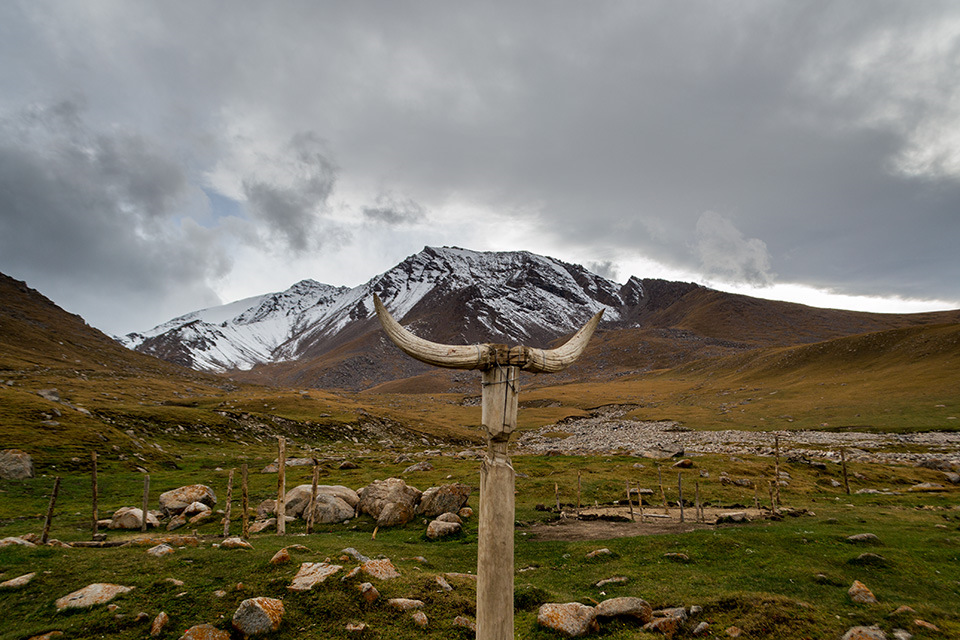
(266, 509)
(257, 616)
(686, 463)
(358, 627)
(701, 629)
(391, 501)
(312, 573)
(368, 592)
(347, 465)
(15, 465)
(176, 522)
(90, 595)
(47, 636)
(864, 633)
(205, 632)
(330, 509)
(19, 581)
(194, 508)
(599, 552)
(443, 584)
(677, 557)
(673, 612)
(636, 608)
(902, 634)
(929, 626)
(733, 632)
(864, 538)
(11, 541)
(419, 619)
(466, 623)
(298, 498)
(449, 517)
(200, 518)
(236, 543)
(176, 500)
(439, 529)
(280, 557)
(160, 550)
(952, 478)
(356, 555)
(865, 559)
(613, 580)
(131, 518)
(259, 526)
(420, 466)
(927, 486)
(381, 569)
(860, 593)
(571, 619)
(405, 604)
(353, 573)
(156, 627)
(465, 512)
(444, 499)
(734, 517)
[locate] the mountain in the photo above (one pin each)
(316, 335)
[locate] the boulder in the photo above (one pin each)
(160, 550)
(465, 513)
(256, 616)
(571, 619)
(195, 508)
(329, 509)
(312, 573)
(13, 540)
(368, 592)
(596, 553)
(266, 509)
(863, 538)
(860, 593)
(176, 522)
(15, 464)
(19, 581)
(420, 466)
(440, 529)
(420, 619)
(156, 627)
(381, 569)
(667, 625)
(405, 604)
(205, 632)
(235, 543)
(443, 499)
(131, 518)
(391, 501)
(280, 557)
(90, 595)
(259, 526)
(449, 517)
(176, 500)
(298, 498)
(635, 608)
(864, 633)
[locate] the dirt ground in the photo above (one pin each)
(571, 528)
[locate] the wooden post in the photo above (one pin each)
(629, 501)
(776, 448)
(578, 493)
(663, 495)
(843, 465)
(226, 509)
(49, 520)
(146, 502)
(556, 495)
(93, 474)
(756, 497)
(495, 566)
(773, 504)
(245, 504)
(698, 508)
(313, 496)
(680, 491)
(281, 486)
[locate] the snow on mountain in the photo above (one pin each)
(486, 296)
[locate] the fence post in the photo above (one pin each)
(680, 491)
(843, 464)
(146, 503)
(93, 473)
(245, 504)
(282, 486)
(226, 511)
(53, 502)
(313, 496)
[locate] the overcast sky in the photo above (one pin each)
(160, 157)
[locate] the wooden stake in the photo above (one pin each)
(843, 464)
(776, 448)
(640, 502)
(245, 504)
(756, 497)
(226, 510)
(556, 494)
(53, 502)
(578, 493)
(698, 507)
(630, 501)
(680, 491)
(146, 502)
(663, 495)
(773, 505)
(313, 496)
(93, 473)
(282, 486)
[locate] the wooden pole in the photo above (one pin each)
(49, 520)
(93, 474)
(313, 496)
(843, 465)
(556, 495)
(629, 501)
(776, 448)
(773, 504)
(226, 510)
(756, 497)
(282, 486)
(640, 502)
(245, 504)
(680, 491)
(578, 493)
(145, 503)
(698, 508)
(663, 495)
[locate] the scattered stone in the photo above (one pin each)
(259, 526)
(90, 595)
(599, 552)
(347, 465)
(734, 632)
(160, 550)
(455, 575)
(571, 619)
(176, 522)
(266, 509)
(10, 541)
(701, 629)
(312, 573)
(420, 466)
(220, 593)
(174, 582)
(176, 500)
(353, 573)
(864, 633)
(466, 623)
(443, 584)
(686, 463)
(420, 619)
(330, 509)
(869, 559)
(205, 632)
(359, 627)
(440, 529)
(356, 555)
(863, 538)
(235, 543)
(15, 464)
(903, 609)
(734, 517)
(614, 580)
(677, 557)
(131, 518)
(449, 517)
(194, 508)
(19, 581)
(902, 634)
(668, 625)
(49, 394)
(368, 592)
(929, 626)
(298, 498)
(927, 486)
(673, 612)
(636, 608)
(952, 478)
(405, 604)
(381, 569)
(860, 593)
(465, 512)
(256, 616)
(156, 628)
(280, 557)
(392, 502)
(444, 499)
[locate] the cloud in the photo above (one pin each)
(726, 254)
(393, 211)
(605, 269)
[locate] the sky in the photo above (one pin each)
(161, 157)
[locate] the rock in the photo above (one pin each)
(391, 501)
(864, 633)
(860, 593)
(11, 541)
(449, 517)
(572, 619)
(195, 508)
(266, 509)
(259, 526)
(466, 623)
(865, 559)
(625, 607)
(19, 581)
(15, 464)
(686, 463)
(49, 394)
(256, 616)
(613, 580)
(440, 529)
(131, 518)
(176, 500)
(381, 569)
(298, 498)
(929, 626)
(599, 552)
(952, 478)
(447, 498)
(347, 465)
(280, 557)
(903, 609)
(90, 595)
(358, 627)
(274, 466)
(443, 584)
(47, 636)
(405, 604)
(356, 555)
(160, 550)
(312, 573)
(419, 619)
(732, 517)
(353, 573)
(677, 557)
(420, 466)
(902, 634)
(701, 629)
(863, 538)
(734, 632)
(156, 628)
(673, 612)
(205, 632)
(200, 518)
(368, 592)
(176, 522)
(330, 509)
(235, 543)
(465, 512)
(927, 486)
(175, 582)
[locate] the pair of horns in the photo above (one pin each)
(485, 356)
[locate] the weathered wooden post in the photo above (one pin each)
(281, 486)
(96, 491)
(776, 448)
(49, 519)
(311, 507)
(500, 367)
(245, 503)
(226, 509)
(680, 493)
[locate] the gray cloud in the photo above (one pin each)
(393, 211)
(725, 253)
(605, 268)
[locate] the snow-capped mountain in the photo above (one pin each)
(443, 294)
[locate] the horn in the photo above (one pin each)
(440, 355)
(554, 360)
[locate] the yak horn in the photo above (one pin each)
(554, 360)
(439, 355)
